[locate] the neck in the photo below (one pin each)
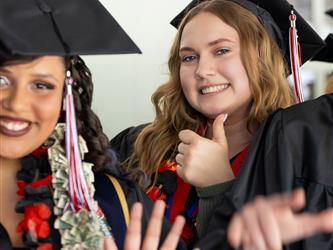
(238, 133)
(8, 197)
(8, 170)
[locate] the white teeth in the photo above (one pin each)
(213, 89)
(15, 126)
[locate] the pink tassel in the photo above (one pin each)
(295, 58)
(78, 189)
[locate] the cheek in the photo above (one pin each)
(238, 74)
(187, 79)
(48, 110)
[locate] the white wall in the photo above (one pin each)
(125, 83)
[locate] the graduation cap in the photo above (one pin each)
(326, 54)
(329, 12)
(279, 19)
(64, 28)
(60, 27)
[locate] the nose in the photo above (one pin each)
(16, 99)
(206, 67)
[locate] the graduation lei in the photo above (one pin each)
(46, 203)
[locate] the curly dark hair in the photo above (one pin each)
(88, 124)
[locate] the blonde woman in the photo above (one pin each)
(227, 73)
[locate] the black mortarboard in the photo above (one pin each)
(60, 27)
(329, 12)
(326, 54)
(274, 14)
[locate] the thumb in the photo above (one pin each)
(218, 129)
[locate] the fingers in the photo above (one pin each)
(180, 159)
(153, 232)
(172, 239)
(109, 244)
(297, 199)
(294, 200)
(255, 227)
(235, 231)
(270, 232)
(133, 235)
(310, 224)
(182, 148)
(187, 136)
(251, 223)
(218, 129)
(180, 172)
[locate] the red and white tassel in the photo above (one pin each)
(78, 189)
(295, 58)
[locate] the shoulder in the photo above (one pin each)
(310, 111)
(313, 114)
(128, 133)
(123, 142)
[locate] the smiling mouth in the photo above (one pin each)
(214, 89)
(14, 127)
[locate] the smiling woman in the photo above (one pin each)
(60, 185)
(227, 73)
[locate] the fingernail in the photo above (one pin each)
(225, 118)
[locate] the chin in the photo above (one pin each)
(14, 153)
(213, 115)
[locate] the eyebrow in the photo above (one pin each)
(45, 76)
(220, 40)
(41, 75)
(210, 44)
(4, 70)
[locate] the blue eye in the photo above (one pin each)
(222, 51)
(187, 59)
(42, 86)
(4, 81)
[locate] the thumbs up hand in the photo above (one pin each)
(203, 162)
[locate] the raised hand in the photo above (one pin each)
(203, 162)
(269, 222)
(152, 237)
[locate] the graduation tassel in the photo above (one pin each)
(78, 189)
(295, 58)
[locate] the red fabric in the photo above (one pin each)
(45, 246)
(179, 199)
(21, 185)
(187, 234)
(42, 182)
(155, 193)
(238, 162)
(35, 221)
(42, 150)
(167, 165)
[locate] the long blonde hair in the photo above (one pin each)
(263, 63)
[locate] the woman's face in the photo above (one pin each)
(30, 103)
(212, 74)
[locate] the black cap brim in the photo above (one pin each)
(60, 27)
(326, 54)
(329, 12)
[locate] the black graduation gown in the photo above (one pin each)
(122, 144)
(293, 148)
(108, 201)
